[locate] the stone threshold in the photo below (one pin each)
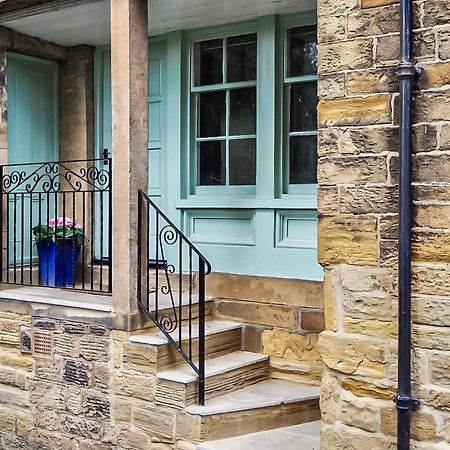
(57, 297)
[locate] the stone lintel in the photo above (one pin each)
(15, 41)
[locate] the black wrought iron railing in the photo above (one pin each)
(171, 285)
(56, 222)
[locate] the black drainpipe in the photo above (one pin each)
(407, 75)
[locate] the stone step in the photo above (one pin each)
(178, 386)
(305, 437)
(263, 406)
(221, 337)
(189, 305)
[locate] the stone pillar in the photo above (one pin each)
(358, 204)
(129, 64)
(76, 104)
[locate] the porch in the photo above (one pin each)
(151, 213)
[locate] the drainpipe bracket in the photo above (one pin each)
(407, 69)
(405, 403)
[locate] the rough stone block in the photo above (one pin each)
(258, 313)
(431, 280)
(351, 439)
(436, 12)
(138, 386)
(79, 426)
(348, 240)
(352, 170)
(371, 327)
(369, 140)
(376, 3)
(347, 55)
(360, 413)
(377, 389)
(431, 247)
(435, 76)
(284, 344)
(372, 81)
(355, 111)
(331, 86)
(94, 348)
(157, 421)
(367, 199)
(77, 372)
(353, 356)
(373, 22)
(311, 320)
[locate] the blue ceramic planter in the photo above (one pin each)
(58, 262)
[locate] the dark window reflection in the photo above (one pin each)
(208, 60)
(302, 51)
(212, 164)
(303, 160)
(242, 111)
(212, 110)
(243, 162)
(241, 56)
(303, 107)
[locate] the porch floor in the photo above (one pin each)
(57, 297)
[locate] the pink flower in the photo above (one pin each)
(52, 222)
(66, 222)
(78, 226)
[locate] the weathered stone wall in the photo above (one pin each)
(281, 318)
(358, 159)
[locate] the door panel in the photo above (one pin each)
(32, 131)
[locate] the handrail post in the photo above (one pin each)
(201, 332)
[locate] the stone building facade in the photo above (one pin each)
(358, 178)
(77, 378)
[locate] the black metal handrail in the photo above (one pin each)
(56, 218)
(171, 274)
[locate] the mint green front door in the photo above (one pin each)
(32, 134)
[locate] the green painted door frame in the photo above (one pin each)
(32, 89)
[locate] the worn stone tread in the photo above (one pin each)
(157, 338)
(305, 437)
(261, 395)
(213, 367)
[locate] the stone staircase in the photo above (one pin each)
(242, 400)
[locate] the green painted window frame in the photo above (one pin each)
(270, 115)
(286, 24)
(193, 37)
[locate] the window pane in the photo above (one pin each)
(212, 110)
(241, 56)
(242, 111)
(212, 163)
(208, 58)
(302, 51)
(303, 160)
(243, 162)
(303, 107)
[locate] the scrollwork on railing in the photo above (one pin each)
(53, 177)
(168, 236)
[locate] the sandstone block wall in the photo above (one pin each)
(358, 194)
(281, 318)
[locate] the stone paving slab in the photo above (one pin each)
(298, 437)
